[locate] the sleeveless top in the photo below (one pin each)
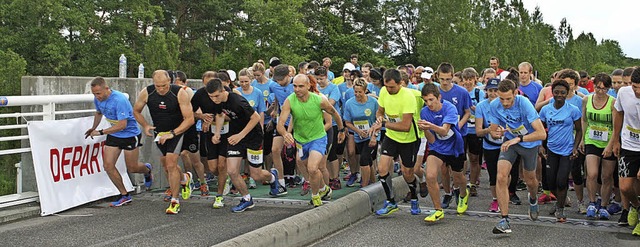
(599, 123)
(307, 118)
(164, 109)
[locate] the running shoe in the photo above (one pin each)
(316, 201)
(636, 231)
(387, 208)
(560, 217)
(173, 208)
(592, 211)
(623, 218)
(243, 205)
(582, 209)
(463, 203)
(219, 202)
(456, 195)
(352, 180)
(276, 184)
(514, 199)
(306, 188)
(494, 207)
(521, 186)
(167, 195)
(196, 185)
(415, 208)
(544, 198)
(252, 183)
(632, 217)
(326, 194)
(407, 198)
(227, 186)
(446, 200)
(123, 200)
(396, 167)
(336, 184)
(571, 185)
(204, 189)
(347, 177)
(534, 210)
(567, 202)
(473, 190)
(187, 188)
(614, 208)
(503, 226)
(603, 214)
(148, 177)
(435, 216)
(483, 166)
(424, 190)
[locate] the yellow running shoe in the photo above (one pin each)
(463, 203)
(316, 201)
(326, 194)
(173, 208)
(219, 203)
(636, 230)
(435, 216)
(632, 217)
(187, 187)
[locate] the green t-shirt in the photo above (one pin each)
(419, 105)
(307, 118)
(394, 107)
(599, 123)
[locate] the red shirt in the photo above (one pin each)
(590, 87)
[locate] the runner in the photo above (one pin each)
(490, 146)
(281, 90)
(332, 93)
(439, 121)
(309, 135)
(514, 117)
(255, 98)
(172, 115)
(123, 134)
(473, 144)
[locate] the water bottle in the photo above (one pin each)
(140, 71)
(122, 68)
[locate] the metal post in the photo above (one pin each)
(49, 111)
(18, 177)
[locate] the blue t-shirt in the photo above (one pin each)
(575, 101)
(332, 92)
(483, 111)
(471, 123)
(532, 91)
(349, 94)
(330, 76)
(363, 116)
(560, 124)
(115, 108)
(374, 89)
(267, 95)
(255, 99)
(612, 92)
(421, 85)
(517, 119)
(343, 90)
(411, 86)
(459, 97)
(281, 93)
(583, 91)
(452, 143)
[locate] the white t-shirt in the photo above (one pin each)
(628, 103)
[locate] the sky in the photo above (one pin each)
(611, 19)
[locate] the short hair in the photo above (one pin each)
(356, 73)
(513, 75)
(302, 65)
(375, 74)
(604, 78)
(489, 71)
(368, 65)
(354, 55)
(458, 75)
(569, 73)
(313, 65)
(430, 88)
(617, 72)
(583, 74)
(560, 82)
(214, 85)
(280, 71)
(628, 71)
(98, 82)
(320, 71)
(494, 58)
(392, 74)
(469, 73)
(258, 67)
(405, 77)
(506, 85)
(224, 76)
(326, 58)
(163, 72)
(209, 74)
(245, 72)
(525, 64)
(635, 75)
(172, 76)
(181, 76)
(360, 82)
(445, 68)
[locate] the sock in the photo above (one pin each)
(533, 201)
(281, 181)
(273, 179)
(423, 179)
(505, 217)
(173, 199)
(495, 199)
(412, 189)
(388, 187)
(314, 195)
(302, 180)
(127, 194)
(447, 194)
(546, 192)
(247, 197)
(324, 188)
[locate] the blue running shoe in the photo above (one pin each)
(534, 209)
(603, 214)
(275, 186)
(121, 201)
(196, 185)
(352, 180)
(591, 211)
(387, 208)
(244, 205)
(446, 200)
(614, 208)
(148, 177)
(415, 208)
(503, 226)
(396, 167)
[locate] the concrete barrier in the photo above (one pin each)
(315, 224)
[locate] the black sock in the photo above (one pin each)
(388, 187)
(412, 189)
(505, 217)
(127, 194)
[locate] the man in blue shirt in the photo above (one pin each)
(514, 117)
(281, 90)
(123, 134)
(528, 87)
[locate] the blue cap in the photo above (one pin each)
(492, 83)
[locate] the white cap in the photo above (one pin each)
(504, 75)
(428, 72)
(348, 66)
(232, 75)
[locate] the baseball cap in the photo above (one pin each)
(492, 83)
(274, 61)
(348, 66)
(232, 75)
(280, 72)
(428, 72)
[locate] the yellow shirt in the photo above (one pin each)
(394, 107)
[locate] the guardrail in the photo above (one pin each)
(49, 112)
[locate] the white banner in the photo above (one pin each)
(68, 167)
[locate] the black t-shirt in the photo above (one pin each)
(239, 112)
(164, 109)
(201, 100)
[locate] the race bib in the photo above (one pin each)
(254, 156)
(520, 131)
(598, 133)
(446, 137)
(395, 120)
(496, 141)
(159, 135)
(634, 134)
(300, 152)
(471, 123)
(362, 125)
(225, 128)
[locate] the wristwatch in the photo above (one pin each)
(341, 130)
(101, 132)
(521, 138)
(173, 133)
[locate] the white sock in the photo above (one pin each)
(281, 181)
(247, 197)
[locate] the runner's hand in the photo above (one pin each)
(372, 142)
(581, 147)
(89, 133)
(207, 118)
(234, 139)
(341, 137)
(165, 137)
(215, 139)
(505, 146)
(148, 129)
(616, 149)
(288, 139)
(607, 152)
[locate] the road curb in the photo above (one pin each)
(19, 213)
(311, 225)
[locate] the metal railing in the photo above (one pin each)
(48, 112)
